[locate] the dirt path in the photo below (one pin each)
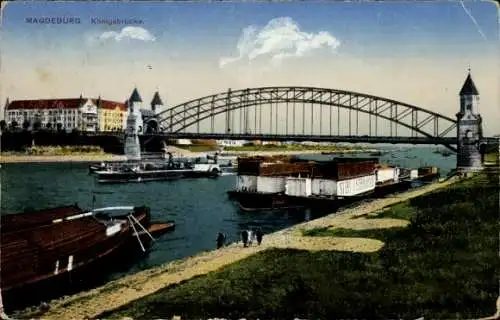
(120, 292)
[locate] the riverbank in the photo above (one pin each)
(178, 151)
(123, 291)
(83, 157)
(288, 152)
(441, 263)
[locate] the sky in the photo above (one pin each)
(415, 52)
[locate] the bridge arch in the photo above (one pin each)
(151, 126)
(179, 117)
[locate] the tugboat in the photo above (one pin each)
(145, 172)
(158, 170)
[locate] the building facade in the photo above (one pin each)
(63, 114)
(112, 115)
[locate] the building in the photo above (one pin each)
(65, 114)
(183, 142)
(112, 115)
(231, 143)
(274, 143)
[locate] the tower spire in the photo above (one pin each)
(469, 88)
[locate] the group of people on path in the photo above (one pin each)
(247, 236)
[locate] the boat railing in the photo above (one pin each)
(133, 220)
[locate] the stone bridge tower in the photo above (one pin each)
(469, 129)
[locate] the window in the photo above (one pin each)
(468, 107)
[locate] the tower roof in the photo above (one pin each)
(156, 99)
(469, 88)
(135, 97)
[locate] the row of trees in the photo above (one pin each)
(20, 140)
(14, 125)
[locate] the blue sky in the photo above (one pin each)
(383, 28)
(416, 52)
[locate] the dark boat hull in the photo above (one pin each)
(383, 190)
(429, 177)
(43, 270)
(90, 275)
(160, 175)
(254, 201)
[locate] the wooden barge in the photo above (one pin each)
(55, 251)
(318, 185)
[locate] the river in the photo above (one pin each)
(200, 207)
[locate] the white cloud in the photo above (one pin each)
(136, 33)
(281, 38)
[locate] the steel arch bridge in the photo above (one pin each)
(303, 114)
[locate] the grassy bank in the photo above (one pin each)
(57, 151)
(442, 266)
(491, 157)
(59, 154)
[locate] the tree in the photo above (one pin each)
(3, 125)
(59, 126)
(26, 125)
(14, 124)
(37, 125)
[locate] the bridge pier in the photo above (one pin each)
(132, 147)
(132, 144)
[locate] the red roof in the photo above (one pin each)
(61, 104)
(106, 104)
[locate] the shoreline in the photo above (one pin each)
(131, 287)
(290, 152)
(4, 159)
(89, 157)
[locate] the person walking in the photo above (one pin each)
(244, 237)
(220, 240)
(250, 238)
(259, 234)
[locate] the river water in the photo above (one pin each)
(199, 207)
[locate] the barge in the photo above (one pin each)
(55, 251)
(276, 184)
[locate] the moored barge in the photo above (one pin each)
(287, 183)
(44, 253)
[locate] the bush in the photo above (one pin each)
(64, 150)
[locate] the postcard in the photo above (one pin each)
(284, 160)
